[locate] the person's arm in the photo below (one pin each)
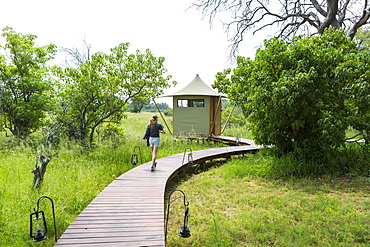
(162, 130)
(147, 133)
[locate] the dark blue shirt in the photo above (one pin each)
(155, 131)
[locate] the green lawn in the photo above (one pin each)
(232, 206)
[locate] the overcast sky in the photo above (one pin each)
(166, 27)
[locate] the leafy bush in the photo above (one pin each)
(301, 97)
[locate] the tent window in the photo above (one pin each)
(190, 103)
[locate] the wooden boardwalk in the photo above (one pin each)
(130, 211)
(233, 140)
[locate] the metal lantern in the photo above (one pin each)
(185, 232)
(38, 227)
(190, 157)
(134, 157)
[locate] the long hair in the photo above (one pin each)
(152, 122)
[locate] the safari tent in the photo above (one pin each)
(196, 110)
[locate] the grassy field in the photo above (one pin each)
(230, 205)
(233, 205)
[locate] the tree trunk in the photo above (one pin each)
(330, 16)
(39, 171)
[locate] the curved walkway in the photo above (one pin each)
(130, 211)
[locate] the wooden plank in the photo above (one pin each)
(128, 224)
(71, 231)
(146, 240)
(233, 140)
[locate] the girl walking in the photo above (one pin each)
(153, 130)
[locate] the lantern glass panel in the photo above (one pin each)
(38, 226)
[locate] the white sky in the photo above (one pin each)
(166, 27)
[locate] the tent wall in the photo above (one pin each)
(191, 120)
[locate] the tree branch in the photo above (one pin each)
(318, 7)
(362, 21)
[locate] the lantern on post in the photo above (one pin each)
(190, 157)
(134, 157)
(185, 231)
(38, 225)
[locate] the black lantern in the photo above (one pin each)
(185, 231)
(38, 226)
(190, 157)
(134, 157)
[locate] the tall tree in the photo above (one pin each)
(290, 17)
(24, 88)
(99, 90)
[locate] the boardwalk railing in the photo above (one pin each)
(130, 211)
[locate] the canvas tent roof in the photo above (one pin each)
(196, 87)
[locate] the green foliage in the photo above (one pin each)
(111, 134)
(168, 112)
(145, 106)
(363, 36)
(25, 91)
(349, 160)
(295, 94)
(137, 105)
(99, 90)
(356, 71)
(232, 116)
